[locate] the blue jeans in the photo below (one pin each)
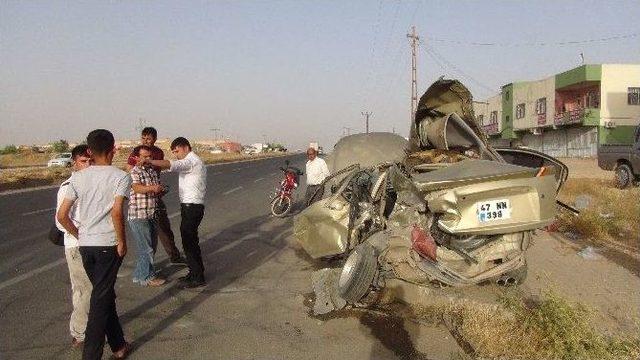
(144, 233)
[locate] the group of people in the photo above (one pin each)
(91, 213)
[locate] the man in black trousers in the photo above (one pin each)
(99, 192)
(148, 137)
(192, 186)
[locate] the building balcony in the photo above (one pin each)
(491, 129)
(583, 116)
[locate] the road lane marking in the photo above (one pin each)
(232, 190)
(236, 170)
(38, 211)
(217, 173)
(258, 179)
(30, 274)
(275, 173)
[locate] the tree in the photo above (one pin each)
(9, 149)
(60, 146)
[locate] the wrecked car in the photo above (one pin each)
(443, 208)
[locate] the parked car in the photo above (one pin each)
(442, 209)
(216, 150)
(63, 159)
(623, 159)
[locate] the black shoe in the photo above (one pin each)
(193, 283)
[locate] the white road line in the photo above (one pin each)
(217, 173)
(275, 173)
(232, 190)
(31, 273)
(38, 211)
(258, 179)
(236, 170)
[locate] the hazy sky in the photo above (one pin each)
(292, 71)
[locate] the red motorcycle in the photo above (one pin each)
(281, 202)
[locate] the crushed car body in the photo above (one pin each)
(441, 209)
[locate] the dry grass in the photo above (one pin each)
(24, 178)
(27, 158)
(11, 179)
(612, 215)
(550, 328)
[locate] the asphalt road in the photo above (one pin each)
(255, 305)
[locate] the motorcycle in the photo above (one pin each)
(281, 201)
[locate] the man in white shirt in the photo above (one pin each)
(317, 171)
(192, 186)
(80, 284)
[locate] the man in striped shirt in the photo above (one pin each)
(145, 190)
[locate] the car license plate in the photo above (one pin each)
(494, 210)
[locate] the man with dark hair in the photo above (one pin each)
(99, 192)
(80, 284)
(148, 137)
(152, 132)
(192, 185)
(145, 190)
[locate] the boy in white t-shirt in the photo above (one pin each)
(100, 192)
(80, 284)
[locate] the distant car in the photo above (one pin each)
(216, 150)
(63, 159)
(250, 150)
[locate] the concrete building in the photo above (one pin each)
(568, 114)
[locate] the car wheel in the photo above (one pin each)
(358, 273)
(624, 176)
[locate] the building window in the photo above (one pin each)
(520, 111)
(633, 96)
(541, 106)
(481, 119)
(494, 117)
(506, 95)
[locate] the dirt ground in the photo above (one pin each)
(586, 168)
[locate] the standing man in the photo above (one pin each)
(148, 137)
(99, 192)
(317, 171)
(192, 185)
(80, 284)
(145, 191)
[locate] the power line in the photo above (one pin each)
(558, 43)
(449, 64)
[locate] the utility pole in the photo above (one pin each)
(142, 123)
(414, 40)
(215, 134)
(366, 115)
